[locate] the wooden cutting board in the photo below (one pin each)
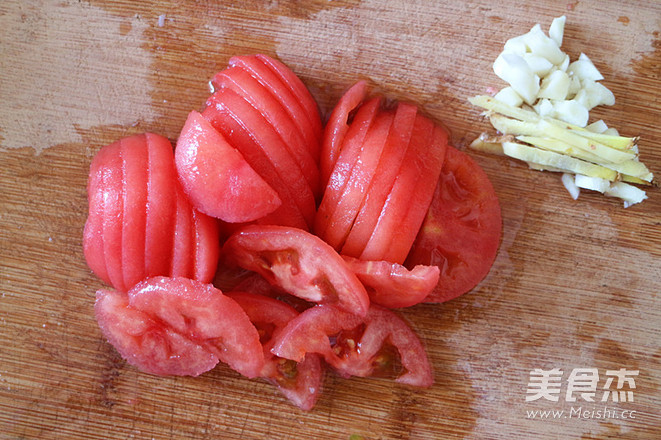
(575, 284)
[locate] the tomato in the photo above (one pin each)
(228, 124)
(270, 74)
(178, 326)
(410, 196)
(215, 176)
(393, 285)
(274, 114)
(343, 215)
(299, 263)
(136, 209)
(301, 93)
(387, 169)
(337, 127)
(161, 206)
(348, 156)
(301, 381)
(461, 232)
(229, 104)
(356, 346)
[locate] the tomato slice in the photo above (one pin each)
(382, 183)
(93, 243)
(298, 262)
(274, 114)
(348, 156)
(393, 285)
(179, 326)
(358, 182)
(396, 226)
(260, 67)
(113, 214)
(301, 381)
(184, 238)
(215, 176)
(400, 243)
(461, 232)
(337, 127)
(161, 206)
(301, 92)
(271, 144)
(134, 152)
(356, 346)
(226, 122)
(206, 246)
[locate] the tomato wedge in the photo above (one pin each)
(381, 185)
(178, 326)
(461, 232)
(300, 382)
(215, 176)
(299, 263)
(337, 127)
(356, 346)
(393, 285)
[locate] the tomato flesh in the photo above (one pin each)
(178, 326)
(393, 285)
(461, 232)
(299, 263)
(354, 346)
(301, 381)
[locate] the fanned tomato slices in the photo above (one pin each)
(461, 232)
(380, 343)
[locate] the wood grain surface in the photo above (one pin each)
(575, 285)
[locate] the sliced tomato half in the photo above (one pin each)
(299, 263)
(301, 381)
(461, 232)
(393, 285)
(381, 343)
(178, 326)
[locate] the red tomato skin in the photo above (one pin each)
(216, 178)
(306, 389)
(161, 206)
(113, 215)
(184, 244)
(381, 185)
(337, 127)
(348, 156)
(242, 83)
(134, 152)
(393, 285)
(462, 230)
(301, 92)
(271, 144)
(230, 125)
(298, 262)
(310, 331)
(207, 246)
(358, 182)
(308, 121)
